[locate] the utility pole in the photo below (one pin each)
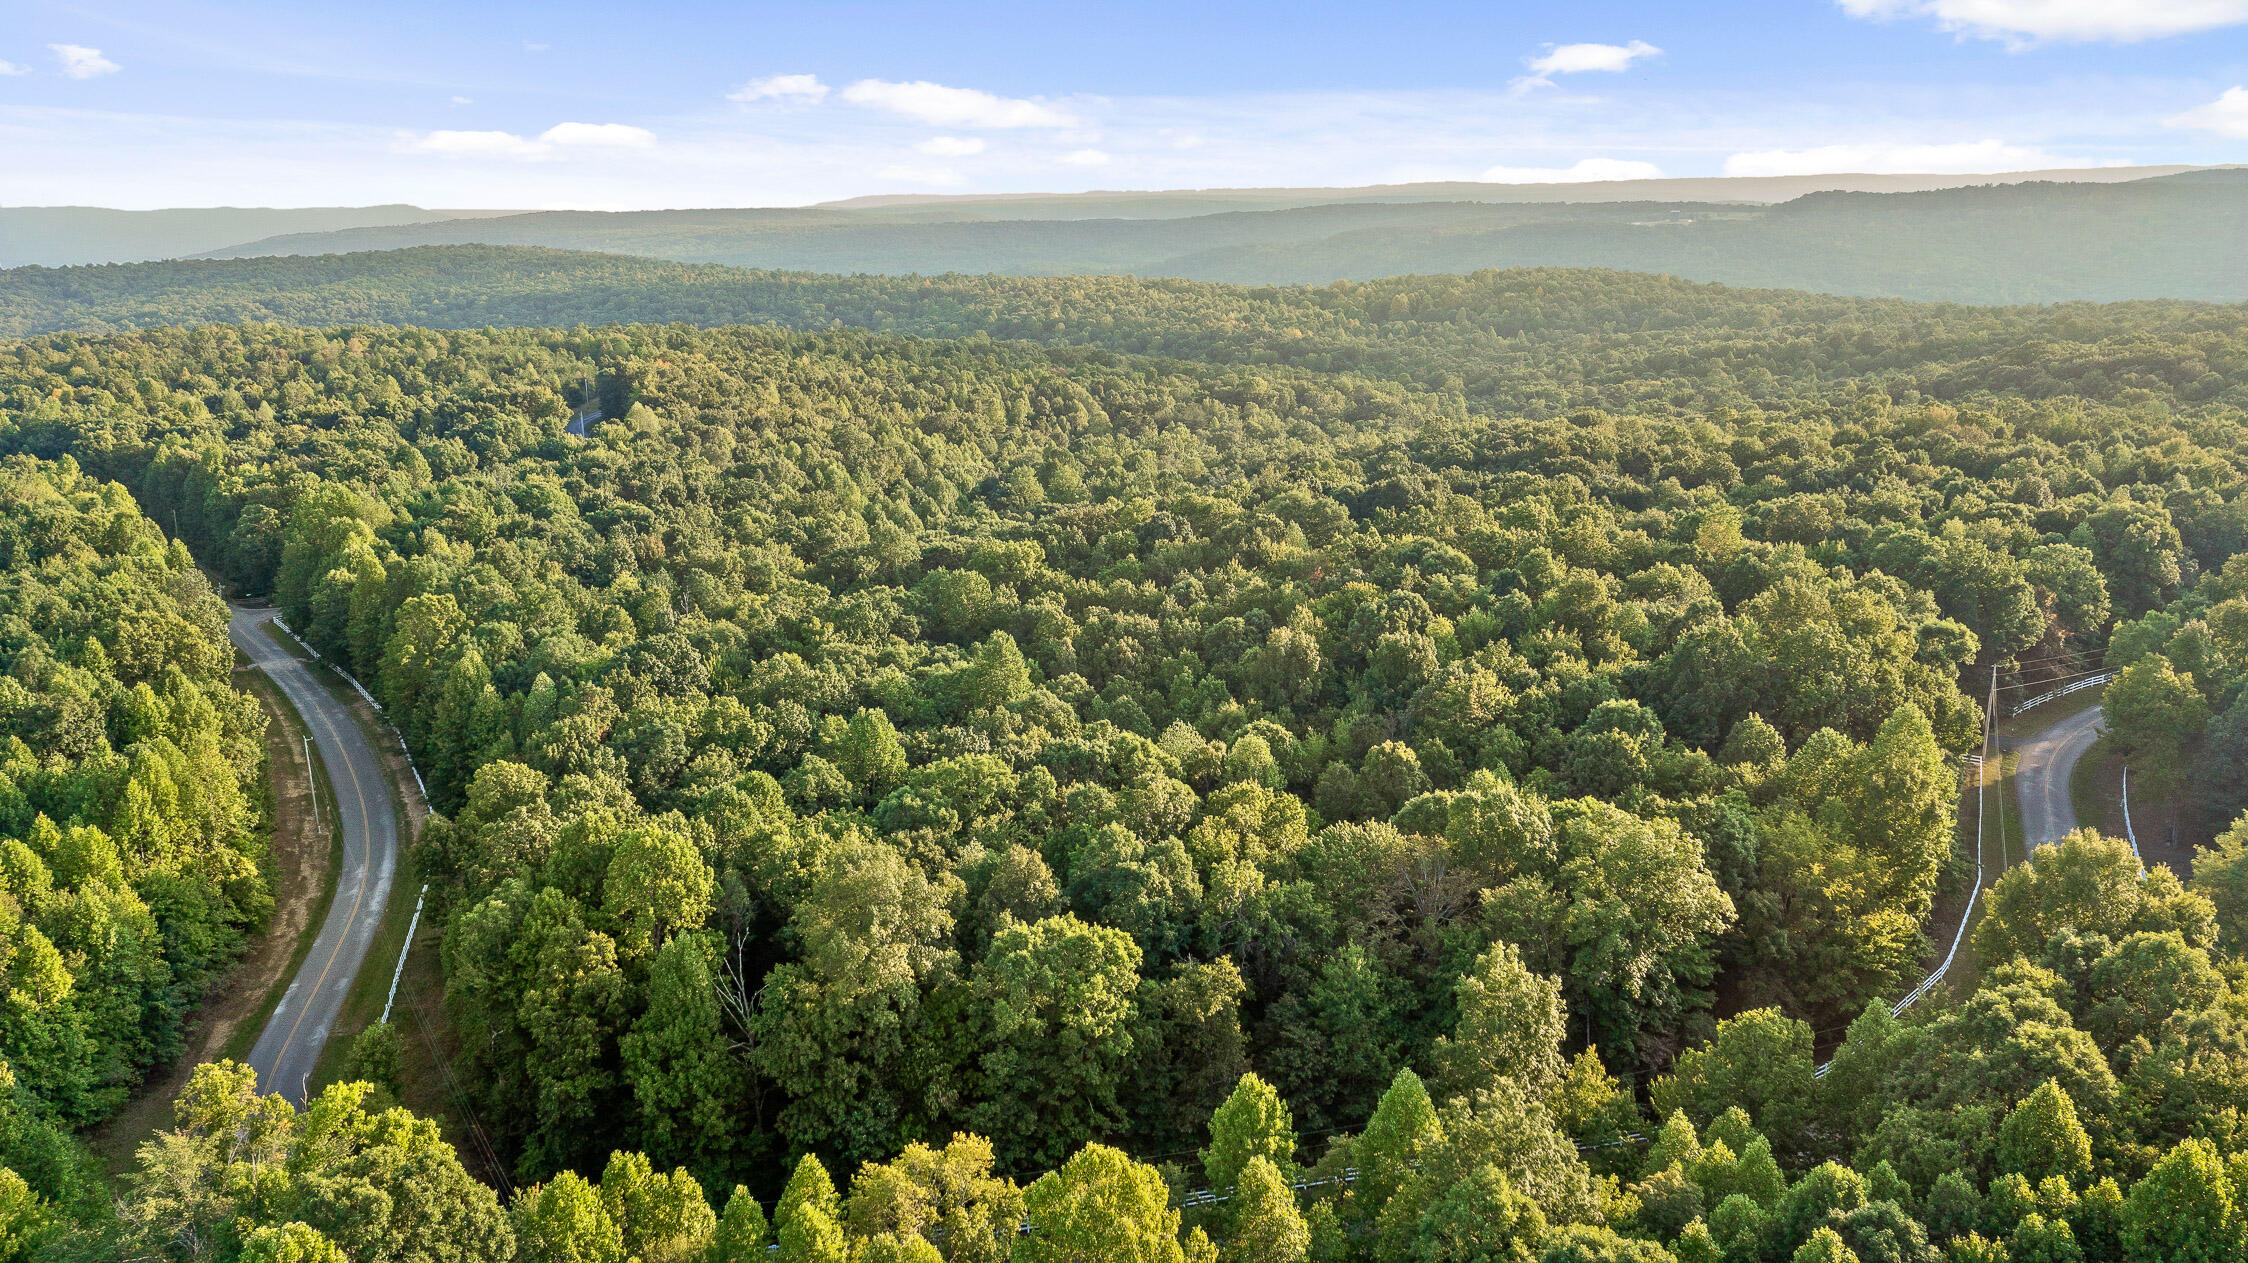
(1990, 728)
(313, 782)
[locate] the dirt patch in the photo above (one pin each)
(302, 857)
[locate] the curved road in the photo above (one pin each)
(2042, 774)
(292, 1039)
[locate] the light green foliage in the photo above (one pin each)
(859, 738)
(1480, 1219)
(1759, 1061)
(950, 1195)
(2220, 875)
(2042, 1137)
(1825, 1246)
(742, 1231)
(1198, 1247)
(656, 883)
(1511, 1025)
(1739, 1226)
(2091, 884)
(689, 1088)
(1976, 1248)
(664, 1218)
(2155, 715)
(368, 1182)
(1253, 1123)
(893, 1248)
(1099, 1207)
(1404, 1129)
(2037, 1239)
(1697, 1245)
(840, 1029)
(811, 1235)
(1851, 851)
(809, 1188)
(1828, 1189)
(1057, 996)
(1265, 1226)
(25, 1218)
(2183, 1211)
(129, 871)
(563, 1221)
(1581, 1243)
(289, 1243)
(1674, 1145)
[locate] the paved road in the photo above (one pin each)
(2042, 775)
(291, 1042)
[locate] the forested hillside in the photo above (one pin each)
(2182, 236)
(1534, 342)
(131, 846)
(1460, 745)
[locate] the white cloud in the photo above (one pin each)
(81, 62)
(465, 144)
(495, 144)
(940, 106)
(1580, 172)
(1577, 59)
(11, 68)
(2023, 21)
(2226, 116)
(533, 46)
(607, 135)
(951, 146)
(805, 88)
(1085, 158)
(462, 100)
(1574, 59)
(1884, 157)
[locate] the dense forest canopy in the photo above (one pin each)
(1534, 342)
(1479, 735)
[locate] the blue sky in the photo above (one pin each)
(615, 106)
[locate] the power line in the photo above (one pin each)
(2049, 681)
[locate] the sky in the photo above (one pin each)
(474, 104)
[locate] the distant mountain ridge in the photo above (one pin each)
(2181, 236)
(59, 236)
(1169, 203)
